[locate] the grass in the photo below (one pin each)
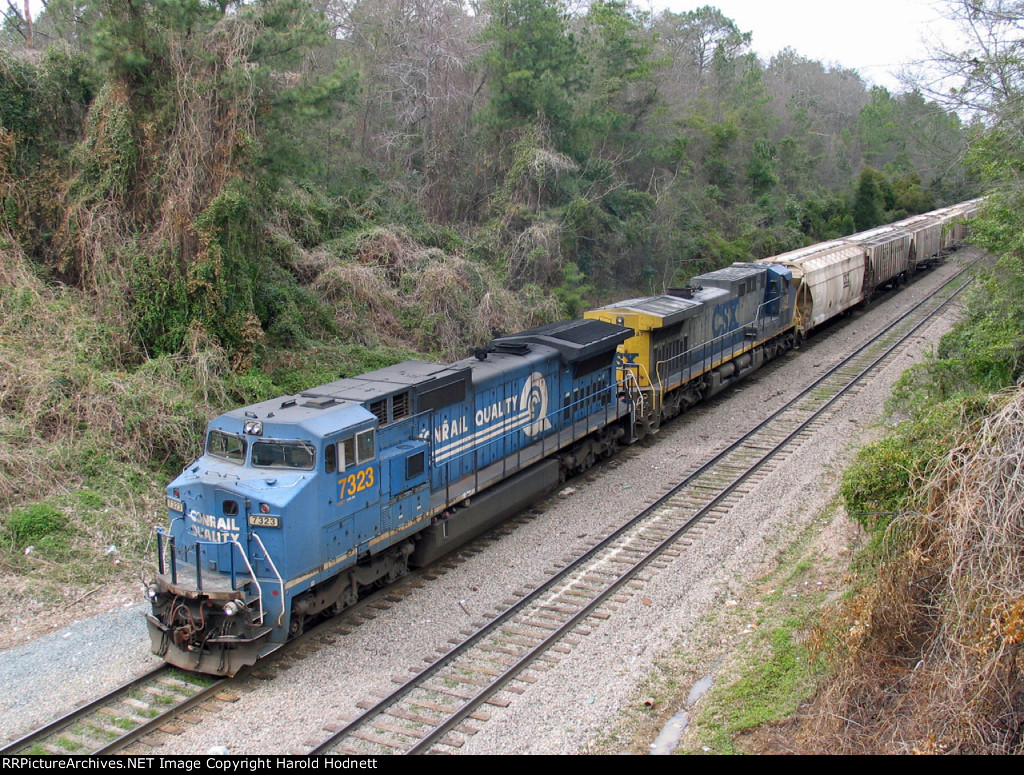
(101, 733)
(775, 677)
(69, 745)
(771, 674)
(196, 679)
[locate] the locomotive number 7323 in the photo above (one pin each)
(356, 482)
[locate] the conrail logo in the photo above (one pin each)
(207, 527)
(534, 399)
(528, 411)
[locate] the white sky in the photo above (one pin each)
(874, 37)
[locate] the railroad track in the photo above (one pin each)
(110, 723)
(435, 711)
(151, 702)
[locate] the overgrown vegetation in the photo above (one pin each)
(929, 653)
(204, 204)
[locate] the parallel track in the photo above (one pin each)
(433, 712)
(108, 724)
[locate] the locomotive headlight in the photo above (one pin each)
(265, 508)
(253, 427)
(233, 607)
(152, 591)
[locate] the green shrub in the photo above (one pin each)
(34, 523)
(886, 477)
(877, 484)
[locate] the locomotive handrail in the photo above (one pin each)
(252, 574)
(161, 533)
(631, 378)
(712, 344)
(280, 581)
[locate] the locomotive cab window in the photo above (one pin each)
(283, 454)
(365, 446)
(357, 450)
(226, 446)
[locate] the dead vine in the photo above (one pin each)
(936, 644)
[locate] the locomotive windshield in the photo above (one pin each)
(226, 446)
(283, 454)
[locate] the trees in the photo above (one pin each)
(174, 171)
(693, 38)
(534, 67)
(419, 63)
(867, 204)
(623, 90)
(228, 134)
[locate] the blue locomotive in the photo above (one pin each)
(302, 502)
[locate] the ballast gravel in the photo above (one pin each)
(578, 698)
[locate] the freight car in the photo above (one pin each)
(829, 280)
(925, 232)
(300, 503)
(888, 257)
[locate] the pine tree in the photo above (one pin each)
(867, 204)
(535, 70)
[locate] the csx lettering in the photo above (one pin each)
(356, 482)
(723, 319)
(626, 359)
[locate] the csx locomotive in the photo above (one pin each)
(300, 503)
